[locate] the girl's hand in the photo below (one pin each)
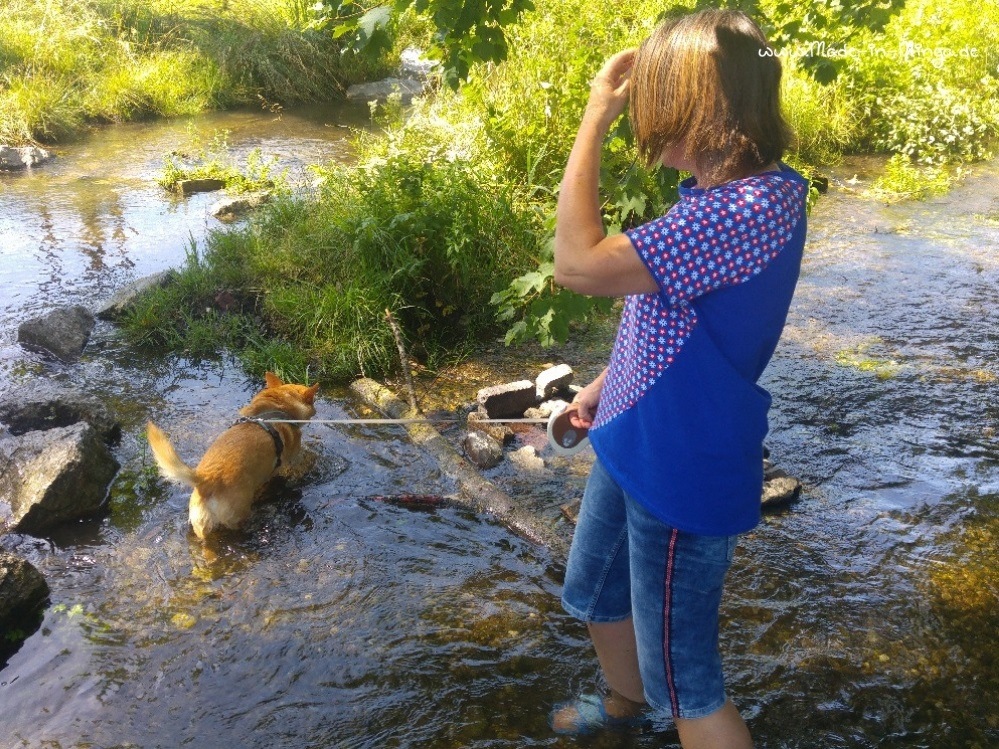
(609, 89)
(585, 403)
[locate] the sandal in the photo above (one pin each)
(591, 715)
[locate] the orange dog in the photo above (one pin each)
(243, 458)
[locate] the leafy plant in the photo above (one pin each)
(420, 226)
(903, 180)
(818, 33)
(900, 71)
(467, 32)
(450, 206)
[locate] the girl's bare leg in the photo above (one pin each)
(618, 657)
(723, 729)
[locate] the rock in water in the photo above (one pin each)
(482, 450)
(53, 477)
(63, 331)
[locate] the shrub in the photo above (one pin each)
(820, 115)
(456, 198)
(419, 227)
(912, 83)
(530, 107)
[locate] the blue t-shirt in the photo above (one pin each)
(681, 420)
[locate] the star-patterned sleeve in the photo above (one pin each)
(710, 239)
(717, 238)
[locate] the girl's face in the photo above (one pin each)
(674, 157)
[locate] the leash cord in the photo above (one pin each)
(396, 421)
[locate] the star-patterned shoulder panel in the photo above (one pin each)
(708, 240)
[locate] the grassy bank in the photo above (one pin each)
(446, 218)
(67, 64)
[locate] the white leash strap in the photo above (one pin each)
(399, 421)
(565, 439)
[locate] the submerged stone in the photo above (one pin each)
(23, 591)
(123, 299)
(63, 332)
(482, 450)
(527, 459)
(779, 488)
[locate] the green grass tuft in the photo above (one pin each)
(215, 161)
(69, 64)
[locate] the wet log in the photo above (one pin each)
(475, 491)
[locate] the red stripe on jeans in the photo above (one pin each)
(667, 611)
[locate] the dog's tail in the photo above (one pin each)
(167, 459)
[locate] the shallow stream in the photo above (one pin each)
(865, 615)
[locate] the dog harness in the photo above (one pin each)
(261, 421)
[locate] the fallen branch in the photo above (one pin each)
(403, 359)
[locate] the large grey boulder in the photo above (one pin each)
(22, 157)
(40, 404)
(53, 477)
(508, 401)
(123, 299)
(63, 331)
(22, 592)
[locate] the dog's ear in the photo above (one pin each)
(310, 393)
(272, 380)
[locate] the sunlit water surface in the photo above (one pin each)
(863, 616)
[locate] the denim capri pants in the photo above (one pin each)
(624, 562)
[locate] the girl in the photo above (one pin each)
(679, 428)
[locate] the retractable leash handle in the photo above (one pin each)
(566, 439)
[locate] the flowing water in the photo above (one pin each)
(865, 615)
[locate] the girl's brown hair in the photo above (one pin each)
(710, 81)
